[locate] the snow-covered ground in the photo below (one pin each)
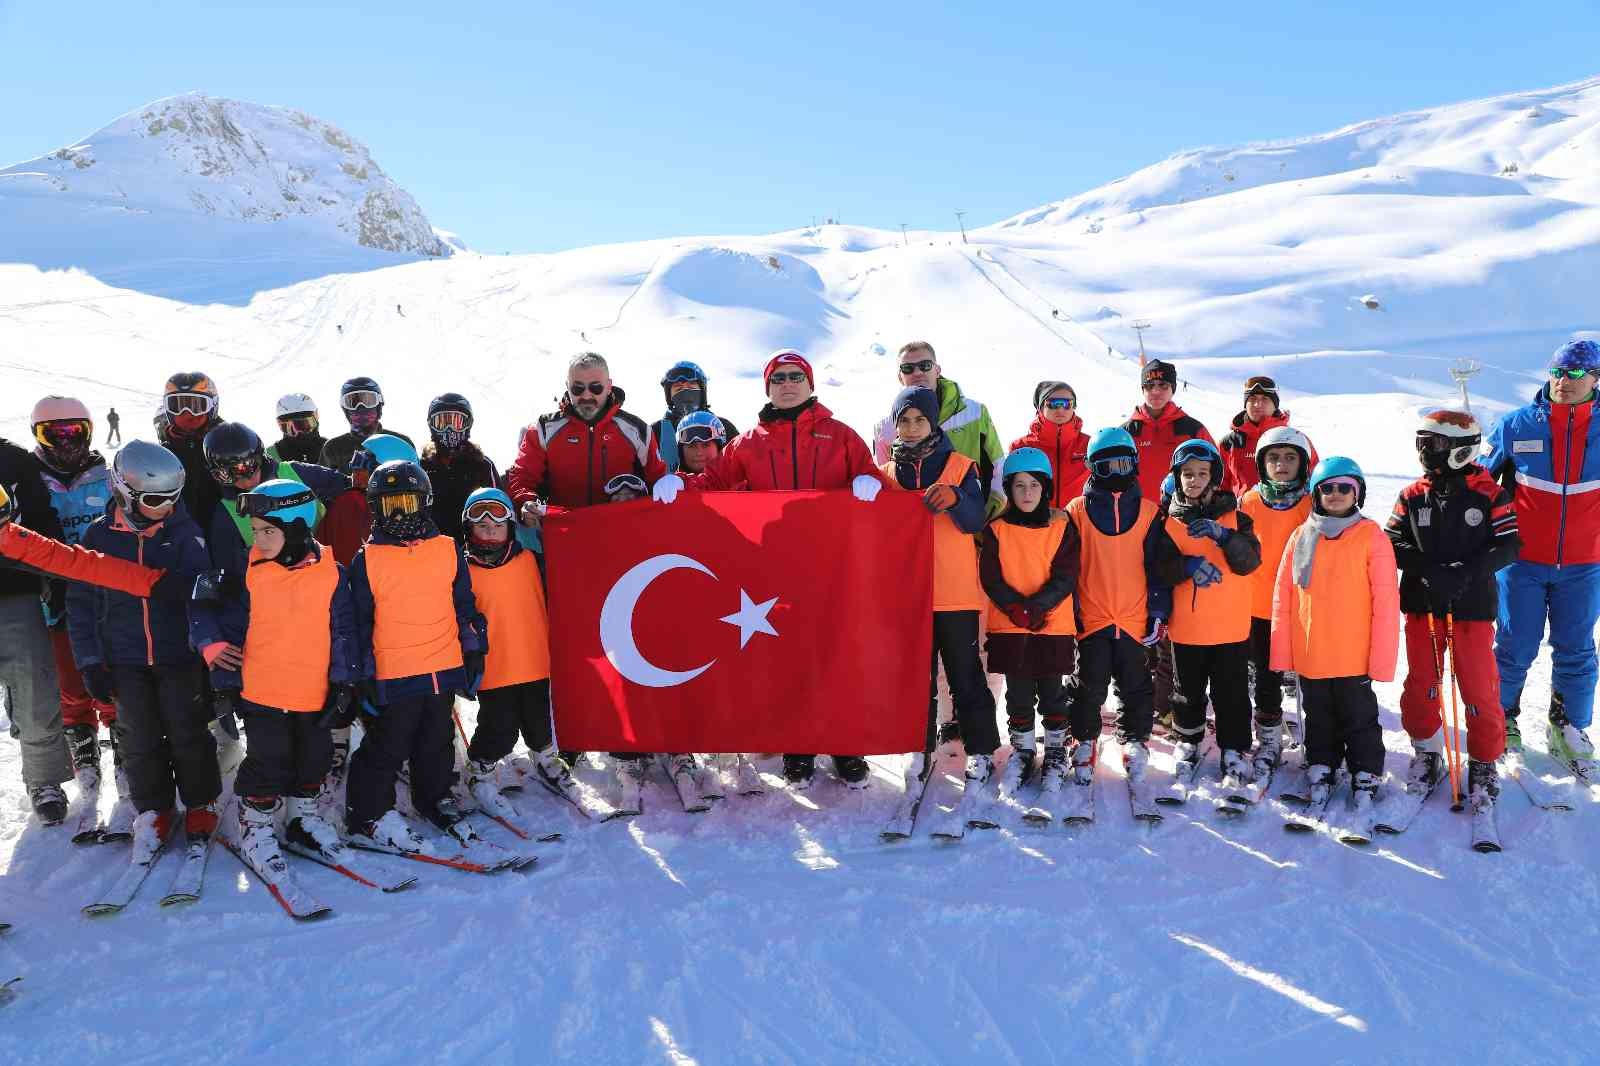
(778, 929)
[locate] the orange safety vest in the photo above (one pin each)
(288, 646)
(1112, 590)
(414, 630)
(1330, 623)
(955, 554)
(1216, 614)
(1272, 529)
(511, 599)
(1026, 553)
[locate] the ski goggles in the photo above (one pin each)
(190, 403)
(678, 375)
(400, 503)
(231, 470)
(361, 400)
(1571, 372)
(492, 510)
(298, 425)
(55, 434)
(625, 483)
(700, 434)
(443, 421)
(594, 388)
(1339, 487)
(1059, 403)
(1115, 466)
(260, 505)
(921, 366)
(156, 500)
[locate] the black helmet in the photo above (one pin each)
(399, 496)
(361, 400)
(449, 420)
(232, 451)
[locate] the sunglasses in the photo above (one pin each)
(298, 426)
(48, 433)
(698, 435)
(1572, 373)
(401, 503)
(493, 510)
(190, 403)
(1335, 488)
(782, 377)
(594, 388)
(1115, 466)
(259, 504)
(361, 399)
(624, 483)
(456, 420)
(920, 366)
(1058, 404)
(156, 500)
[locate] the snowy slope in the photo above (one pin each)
(778, 930)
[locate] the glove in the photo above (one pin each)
(939, 498)
(1158, 631)
(866, 487)
(54, 599)
(1019, 616)
(531, 514)
(1202, 571)
(225, 708)
(1209, 529)
(339, 709)
(1233, 440)
(221, 655)
(667, 489)
(97, 682)
(371, 701)
(1444, 582)
(472, 667)
(1037, 617)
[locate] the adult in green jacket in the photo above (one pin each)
(965, 421)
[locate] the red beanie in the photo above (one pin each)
(788, 357)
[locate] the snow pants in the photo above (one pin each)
(1224, 670)
(1421, 700)
(955, 640)
(1342, 723)
(418, 729)
(167, 747)
(287, 754)
(28, 671)
(1102, 656)
(1266, 684)
(503, 713)
(1569, 597)
(1158, 658)
(77, 706)
(1048, 694)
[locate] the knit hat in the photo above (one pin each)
(1045, 388)
(922, 398)
(788, 357)
(1158, 370)
(1261, 385)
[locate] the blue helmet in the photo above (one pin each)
(1027, 461)
(1577, 355)
(382, 448)
(681, 371)
(695, 426)
(1340, 466)
(1195, 448)
(491, 501)
(1110, 440)
(282, 501)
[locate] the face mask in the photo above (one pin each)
(686, 401)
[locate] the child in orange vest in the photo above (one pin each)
(1335, 623)
(1029, 568)
(281, 641)
(1278, 504)
(922, 460)
(1210, 622)
(421, 640)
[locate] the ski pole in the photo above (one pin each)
(1444, 725)
(1455, 710)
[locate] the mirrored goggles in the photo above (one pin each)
(625, 483)
(1059, 403)
(698, 435)
(190, 403)
(448, 420)
(1115, 466)
(679, 374)
(402, 503)
(492, 510)
(361, 399)
(298, 425)
(54, 434)
(156, 500)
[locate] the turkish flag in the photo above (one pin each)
(742, 621)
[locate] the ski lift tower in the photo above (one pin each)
(1463, 371)
(1139, 327)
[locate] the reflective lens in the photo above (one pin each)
(298, 425)
(782, 376)
(1116, 466)
(697, 435)
(594, 388)
(55, 434)
(400, 503)
(920, 366)
(1335, 488)
(493, 510)
(361, 399)
(1567, 372)
(625, 482)
(1059, 403)
(448, 420)
(157, 500)
(231, 470)
(680, 373)
(190, 403)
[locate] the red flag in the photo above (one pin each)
(742, 621)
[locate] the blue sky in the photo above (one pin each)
(542, 127)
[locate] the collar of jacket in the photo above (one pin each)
(809, 411)
(1037, 518)
(1111, 512)
(513, 549)
(1216, 504)
(1051, 434)
(378, 536)
(93, 462)
(920, 473)
(1168, 413)
(1242, 423)
(612, 407)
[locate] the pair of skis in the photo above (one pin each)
(87, 826)
(186, 886)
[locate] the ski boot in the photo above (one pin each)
(1513, 730)
(1426, 768)
(1269, 748)
(1185, 750)
(1569, 743)
(799, 771)
(305, 826)
(481, 777)
(949, 732)
(391, 832)
(1019, 768)
(150, 831)
(1083, 763)
(258, 831)
(1053, 768)
(853, 771)
(328, 793)
(1363, 793)
(200, 821)
(979, 769)
(553, 769)
(1319, 784)
(49, 803)
(1483, 784)
(1236, 769)
(84, 747)
(1135, 760)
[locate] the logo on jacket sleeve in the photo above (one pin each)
(1474, 517)
(1424, 517)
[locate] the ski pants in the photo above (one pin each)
(1569, 597)
(1048, 694)
(955, 640)
(1158, 658)
(1224, 670)
(28, 671)
(1266, 684)
(288, 753)
(77, 706)
(167, 747)
(1342, 723)
(504, 712)
(1473, 667)
(418, 729)
(1102, 656)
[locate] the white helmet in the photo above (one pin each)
(296, 403)
(1283, 437)
(1447, 438)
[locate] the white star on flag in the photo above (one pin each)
(751, 618)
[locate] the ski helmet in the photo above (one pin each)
(233, 451)
(1026, 461)
(399, 495)
(142, 472)
(1283, 437)
(361, 400)
(381, 448)
(190, 404)
(1447, 439)
(490, 503)
(1196, 448)
(64, 430)
(449, 420)
(281, 501)
(1112, 453)
(677, 374)
(699, 427)
(296, 403)
(1339, 466)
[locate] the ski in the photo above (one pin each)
(1185, 779)
(281, 883)
(454, 862)
(746, 778)
(86, 827)
(1485, 834)
(191, 874)
(583, 799)
(630, 797)
(709, 780)
(687, 788)
(1356, 825)
(356, 869)
(119, 827)
(903, 821)
(970, 811)
(1400, 809)
(1077, 802)
(1314, 817)
(127, 885)
(1048, 800)
(486, 851)
(1539, 792)
(1298, 788)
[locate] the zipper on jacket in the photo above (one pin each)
(794, 450)
(144, 607)
(589, 479)
(1566, 479)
